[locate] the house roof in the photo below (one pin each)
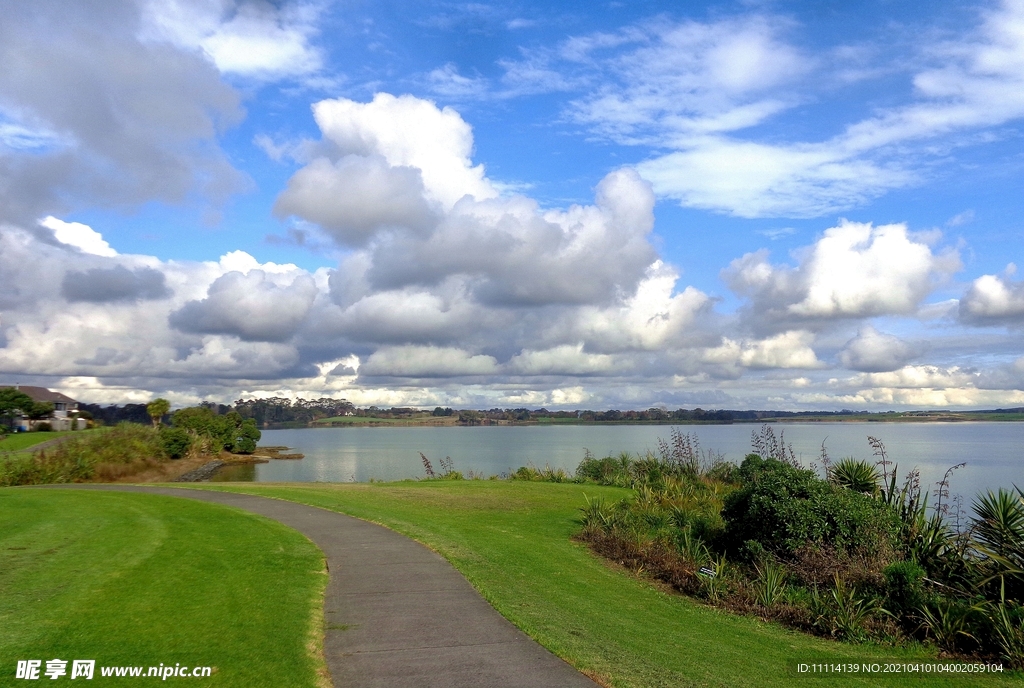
(43, 394)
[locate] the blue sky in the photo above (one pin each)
(740, 205)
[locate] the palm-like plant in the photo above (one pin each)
(1008, 625)
(693, 549)
(999, 536)
(714, 584)
(599, 514)
(948, 622)
(843, 611)
(856, 475)
(771, 583)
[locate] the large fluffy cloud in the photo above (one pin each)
(854, 270)
(403, 185)
(357, 196)
(872, 351)
(426, 361)
(786, 350)
(252, 306)
(994, 300)
(409, 132)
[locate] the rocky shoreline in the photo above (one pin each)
(201, 474)
(262, 455)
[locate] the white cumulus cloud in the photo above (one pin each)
(853, 270)
(872, 351)
(82, 237)
(993, 300)
(409, 132)
(252, 39)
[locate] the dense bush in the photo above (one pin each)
(785, 508)
(175, 441)
(904, 590)
(229, 432)
(606, 471)
(546, 474)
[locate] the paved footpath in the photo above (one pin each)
(398, 614)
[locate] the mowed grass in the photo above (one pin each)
(139, 580)
(512, 541)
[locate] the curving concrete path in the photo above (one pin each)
(398, 614)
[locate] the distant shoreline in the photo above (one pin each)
(967, 417)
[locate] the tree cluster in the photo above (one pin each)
(278, 410)
(229, 432)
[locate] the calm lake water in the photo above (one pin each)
(994, 452)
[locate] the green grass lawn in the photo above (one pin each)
(24, 440)
(512, 541)
(139, 580)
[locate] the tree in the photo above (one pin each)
(157, 409)
(38, 410)
(12, 401)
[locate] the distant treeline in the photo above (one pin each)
(113, 414)
(276, 411)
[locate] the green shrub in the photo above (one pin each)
(606, 471)
(724, 471)
(175, 441)
(43, 427)
(950, 622)
(784, 508)
(599, 515)
(545, 475)
(903, 591)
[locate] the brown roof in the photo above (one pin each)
(43, 394)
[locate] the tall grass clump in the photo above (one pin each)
(447, 469)
(123, 450)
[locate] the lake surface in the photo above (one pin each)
(994, 452)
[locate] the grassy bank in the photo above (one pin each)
(26, 440)
(512, 541)
(139, 580)
(105, 454)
